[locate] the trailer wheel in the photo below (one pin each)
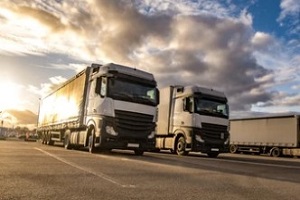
(275, 152)
(233, 148)
(44, 140)
(180, 147)
(49, 141)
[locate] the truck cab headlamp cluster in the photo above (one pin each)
(226, 141)
(199, 139)
(110, 130)
(151, 136)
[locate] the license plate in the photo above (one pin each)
(214, 149)
(133, 145)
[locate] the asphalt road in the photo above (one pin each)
(30, 170)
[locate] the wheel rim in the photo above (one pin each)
(180, 146)
(275, 152)
(233, 149)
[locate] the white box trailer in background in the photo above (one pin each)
(103, 107)
(273, 135)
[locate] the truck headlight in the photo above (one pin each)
(226, 141)
(198, 138)
(151, 136)
(110, 130)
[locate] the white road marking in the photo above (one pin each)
(98, 174)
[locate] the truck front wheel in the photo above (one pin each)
(180, 147)
(92, 148)
(233, 149)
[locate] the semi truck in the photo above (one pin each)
(192, 118)
(103, 107)
(274, 135)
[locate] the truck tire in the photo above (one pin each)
(44, 140)
(49, 140)
(233, 148)
(67, 144)
(275, 152)
(180, 147)
(92, 148)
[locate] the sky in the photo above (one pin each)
(249, 49)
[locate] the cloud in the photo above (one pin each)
(72, 66)
(281, 99)
(57, 80)
(290, 16)
(296, 87)
(262, 41)
(182, 42)
(289, 8)
(186, 7)
(45, 88)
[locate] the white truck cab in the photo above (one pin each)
(193, 118)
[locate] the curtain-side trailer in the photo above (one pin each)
(103, 107)
(273, 135)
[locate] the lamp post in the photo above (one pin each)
(1, 123)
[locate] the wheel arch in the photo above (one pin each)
(91, 124)
(178, 133)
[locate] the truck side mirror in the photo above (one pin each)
(157, 96)
(188, 105)
(185, 104)
(101, 85)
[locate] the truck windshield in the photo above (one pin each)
(126, 90)
(211, 107)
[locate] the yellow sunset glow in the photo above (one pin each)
(9, 95)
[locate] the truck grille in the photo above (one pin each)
(213, 132)
(134, 124)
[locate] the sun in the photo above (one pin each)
(9, 95)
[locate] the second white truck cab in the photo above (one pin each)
(193, 118)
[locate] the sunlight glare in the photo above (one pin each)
(9, 95)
